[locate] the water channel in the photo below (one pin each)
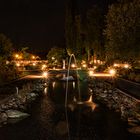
(50, 120)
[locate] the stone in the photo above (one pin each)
(16, 114)
(3, 117)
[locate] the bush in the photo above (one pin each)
(7, 73)
(132, 76)
(137, 78)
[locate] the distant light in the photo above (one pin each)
(73, 65)
(53, 58)
(112, 72)
(84, 65)
(116, 65)
(95, 61)
(43, 67)
(126, 66)
(17, 64)
(33, 57)
(16, 55)
(45, 74)
(95, 67)
(34, 64)
(91, 73)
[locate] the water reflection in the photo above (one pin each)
(50, 121)
(73, 83)
(45, 90)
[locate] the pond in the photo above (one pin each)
(50, 120)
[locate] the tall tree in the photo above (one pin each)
(94, 32)
(70, 29)
(56, 56)
(5, 47)
(122, 32)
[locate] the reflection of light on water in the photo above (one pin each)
(64, 75)
(88, 103)
(45, 90)
(73, 84)
(53, 84)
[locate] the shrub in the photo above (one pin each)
(137, 78)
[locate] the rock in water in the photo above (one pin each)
(16, 114)
(3, 117)
(69, 78)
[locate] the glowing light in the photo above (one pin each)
(84, 65)
(116, 65)
(95, 67)
(34, 64)
(73, 65)
(53, 84)
(91, 73)
(17, 64)
(16, 55)
(112, 72)
(73, 83)
(95, 61)
(126, 66)
(45, 74)
(33, 57)
(53, 58)
(43, 67)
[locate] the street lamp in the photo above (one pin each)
(16, 56)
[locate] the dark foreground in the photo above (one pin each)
(50, 120)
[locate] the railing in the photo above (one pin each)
(130, 87)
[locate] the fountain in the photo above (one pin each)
(67, 79)
(76, 102)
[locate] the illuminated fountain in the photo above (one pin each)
(77, 102)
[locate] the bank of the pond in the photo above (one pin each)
(15, 106)
(114, 99)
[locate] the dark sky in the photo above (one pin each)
(37, 23)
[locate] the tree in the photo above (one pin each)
(122, 32)
(56, 55)
(5, 47)
(94, 32)
(70, 28)
(7, 71)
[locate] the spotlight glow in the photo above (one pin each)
(112, 72)
(126, 66)
(91, 73)
(45, 74)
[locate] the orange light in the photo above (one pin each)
(112, 72)
(45, 74)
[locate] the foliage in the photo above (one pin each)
(5, 47)
(56, 55)
(8, 72)
(94, 28)
(70, 28)
(122, 32)
(82, 37)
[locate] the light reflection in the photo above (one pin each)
(73, 84)
(45, 74)
(53, 84)
(91, 73)
(126, 66)
(17, 64)
(73, 65)
(112, 72)
(45, 90)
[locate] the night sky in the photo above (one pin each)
(37, 24)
